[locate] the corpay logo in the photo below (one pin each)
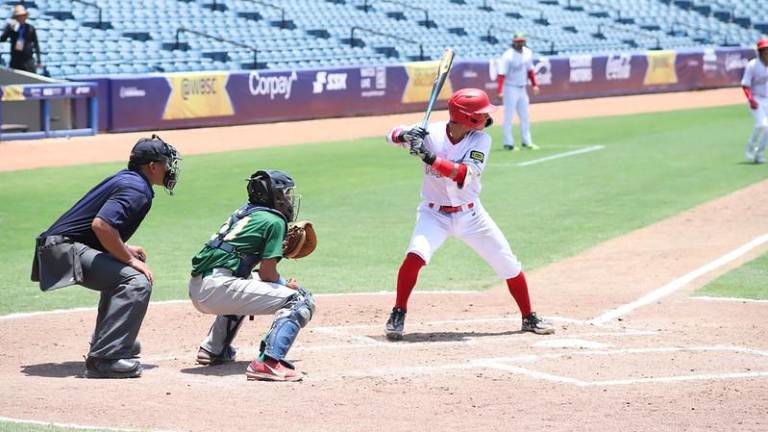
(329, 81)
(271, 85)
(735, 62)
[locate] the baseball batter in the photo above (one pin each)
(755, 86)
(455, 154)
(515, 71)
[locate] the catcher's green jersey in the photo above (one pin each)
(259, 233)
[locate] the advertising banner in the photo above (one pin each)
(192, 99)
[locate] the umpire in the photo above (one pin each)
(86, 246)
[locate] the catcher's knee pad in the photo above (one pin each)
(288, 321)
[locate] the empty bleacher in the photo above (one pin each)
(140, 36)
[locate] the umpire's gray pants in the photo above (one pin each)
(124, 299)
(225, 296)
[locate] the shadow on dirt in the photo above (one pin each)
(446, 336)
(62, 370)
(234, 368)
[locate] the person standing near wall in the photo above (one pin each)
(755, 86)
(23, 41)
(516, 69)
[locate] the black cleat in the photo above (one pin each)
(106, 368)
(532, 323)
(395, 324)
(207, 358)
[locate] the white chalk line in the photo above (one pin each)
(73, 425)
(553, 157)
(680, 282)
(501, 363)
(728, 299)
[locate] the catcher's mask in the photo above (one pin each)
(155, 149)
(274, 189)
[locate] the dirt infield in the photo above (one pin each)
(15, 155)
(633, 351)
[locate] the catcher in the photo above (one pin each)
(224, 282)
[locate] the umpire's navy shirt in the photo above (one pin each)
(121, 200)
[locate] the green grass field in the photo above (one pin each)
(24, 427)
(747, 281)
(362, 197)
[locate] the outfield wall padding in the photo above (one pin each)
(195, 99)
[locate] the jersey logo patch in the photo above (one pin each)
(476, 155)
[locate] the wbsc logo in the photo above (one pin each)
(198, 87)
(325, 81)
(272, 86)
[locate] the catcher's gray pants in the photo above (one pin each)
(225, 295)
(124, 299)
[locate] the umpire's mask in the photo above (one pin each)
(154, 149)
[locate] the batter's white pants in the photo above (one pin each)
(223, 294)
(516, 99)
(755, 149)
(474, 227)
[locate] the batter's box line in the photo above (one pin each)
(501, 364)
(365, 342)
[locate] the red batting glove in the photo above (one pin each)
(753, 104)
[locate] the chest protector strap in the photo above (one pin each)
(247, 260)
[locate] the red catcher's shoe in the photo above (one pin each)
(271, 370)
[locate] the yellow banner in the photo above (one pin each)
(13, 93)
(421, 76)
(198, 94)
(661, 68)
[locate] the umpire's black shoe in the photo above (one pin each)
(105, 368)
(396, 324)
(136, 349)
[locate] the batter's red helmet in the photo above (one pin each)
(466, 107)
(762, 44)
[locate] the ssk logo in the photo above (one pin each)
(130, 92)
(272, 86)
(329, 82)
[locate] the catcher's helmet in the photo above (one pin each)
(274, 189)
(762, 44)
(154, 149)
(467, 106)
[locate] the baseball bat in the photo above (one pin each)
(446, 61)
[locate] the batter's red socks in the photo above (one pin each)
(406, 278)
(518, 287)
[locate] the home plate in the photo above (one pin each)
(569, 343)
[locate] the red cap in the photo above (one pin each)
(762, 43)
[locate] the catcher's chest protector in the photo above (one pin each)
(247, 260)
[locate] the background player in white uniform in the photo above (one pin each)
(455, 155)
(755, 85)
(515, 70)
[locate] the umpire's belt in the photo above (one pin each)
(451, 209)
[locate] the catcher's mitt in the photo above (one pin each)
(300, 240)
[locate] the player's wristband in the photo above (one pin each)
(281, 281)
